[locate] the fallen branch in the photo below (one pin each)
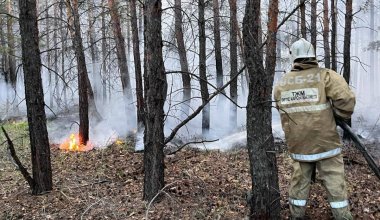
(23, 170)
(84, 185)
(194, 142)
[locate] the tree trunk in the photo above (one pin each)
(233, 63)
(326, 30)
(63, 50)
(104, 54)
(120, 51)
(48, 55)
(303, 20)
(265, 199)
(93, 49)
(186, 95)
(11, 69)
(55, 42)
(313, 25)
(137, 61)
(217, 45)
(3, 53)
(202, 67)
(72, 6)
(372, 62)
(333, 35)
(347, 51)
(34, 96)
(155, 95)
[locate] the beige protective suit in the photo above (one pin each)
(307, 98)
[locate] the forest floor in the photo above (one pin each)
(107, 184)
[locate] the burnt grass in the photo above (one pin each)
(108, 183)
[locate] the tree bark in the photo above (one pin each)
(72, 6)
(93, 49)
(303, 20)
(333, 35)
(233, 63)
(186, 94)
(48, 56)
(202, 67)
(55, 42)
(120, 51)
(137, 61)
(265, 199)
(347, 51)
(34, 96)
(104, 54)
(217, 45)
(372, 52)
(326, 30)
(313, 24)
(155, 95)
(63, 50)
(11, 69)
(3, 53)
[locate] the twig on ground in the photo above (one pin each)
(89, 207)
(155, 197)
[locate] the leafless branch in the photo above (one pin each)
(23, 170)
(193, 142)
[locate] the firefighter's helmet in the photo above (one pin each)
(302, 49)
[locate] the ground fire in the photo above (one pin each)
(72, 144)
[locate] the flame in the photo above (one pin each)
(72, 144)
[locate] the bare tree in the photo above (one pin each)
(347, 50)
(372, 52)
(313, 24)
(265, 199)
(55, 43)
(326, 30)
(120, 50)
(72, 7)
(93, 47)
(333, 35)
(136, 57)
(233, 62)
(217, 44)
(303, 19)
(202, 67)
(11, 61)
(104, 53)
(63, 33)
(155, 94)
(34, 96)
(186, 95)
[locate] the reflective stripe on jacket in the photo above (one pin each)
(306, 97)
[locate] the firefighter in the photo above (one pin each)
(308, 99)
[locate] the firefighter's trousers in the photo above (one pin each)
(331, 172)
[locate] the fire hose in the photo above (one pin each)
(359, 145)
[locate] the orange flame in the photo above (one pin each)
(72, 144)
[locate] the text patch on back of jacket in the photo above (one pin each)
(300, 96)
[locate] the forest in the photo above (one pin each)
(164, 109)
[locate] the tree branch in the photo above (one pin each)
(23, 170)
(193, 142)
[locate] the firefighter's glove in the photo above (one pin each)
(339, 119)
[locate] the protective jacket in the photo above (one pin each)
(307, 98)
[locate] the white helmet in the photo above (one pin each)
(302, 49)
